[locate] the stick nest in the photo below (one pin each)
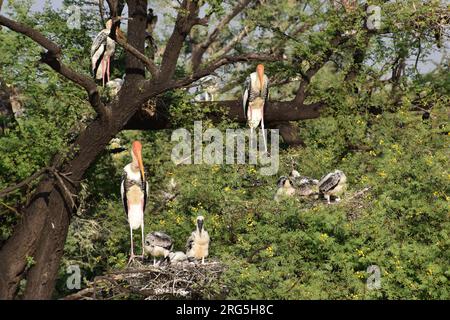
(148, 282)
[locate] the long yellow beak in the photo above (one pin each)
(141, 164)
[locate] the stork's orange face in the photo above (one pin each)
(260, 73)
(137, 152)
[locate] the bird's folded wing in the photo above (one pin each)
(190, 242)
(98, 41)
(161, 239)
(123, 192)
(329, 182)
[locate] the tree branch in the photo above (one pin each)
(277, 111)
(53, 58)
(200, 49)
(237, 38)
(221, 61)
(187, 17)
(149, 64)
(23, 183)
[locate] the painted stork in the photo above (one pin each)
(158, 244)
(256, 94)
(333, 184)
(134, 190)
(102, 50)
(197, 245)
(304, 186)
(285, 189)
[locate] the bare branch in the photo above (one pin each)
(237, 38)
(221, 61)
(149, 64)
(187, 17)
(53, 58)
(200, 49)
(23, 183)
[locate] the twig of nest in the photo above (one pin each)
(178, 281)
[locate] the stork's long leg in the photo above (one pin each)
(142, 238)
(132, 251)
(107, 68)
(103, 71)
(264, 135)
(251, 139)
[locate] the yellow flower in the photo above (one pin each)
(381, 142)
(382, 174)
(360, 252)
(436, 194)
(162, 222)
(323, 237)
(269, 251)
(372, 153)
(227, 189)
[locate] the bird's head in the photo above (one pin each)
(200, 221)
(260, 73)
(136, 153)
(283, 182)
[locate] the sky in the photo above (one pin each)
(423, 67)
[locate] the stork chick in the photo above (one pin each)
(114, 86)
(305, 186)
(256, 95)
(197, 245)
(177, 257)
(333, 184)
(285, 189)
(158, 244)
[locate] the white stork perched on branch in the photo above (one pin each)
(333, 184)
(256, 94)
(134, 190)
(102, 50)
(197, 245)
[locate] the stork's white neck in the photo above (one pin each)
(133, 172)
(255, 81)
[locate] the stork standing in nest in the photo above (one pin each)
(256, 95)
(333, 184)
(158, 244)
(197, 245)
(134, 190)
